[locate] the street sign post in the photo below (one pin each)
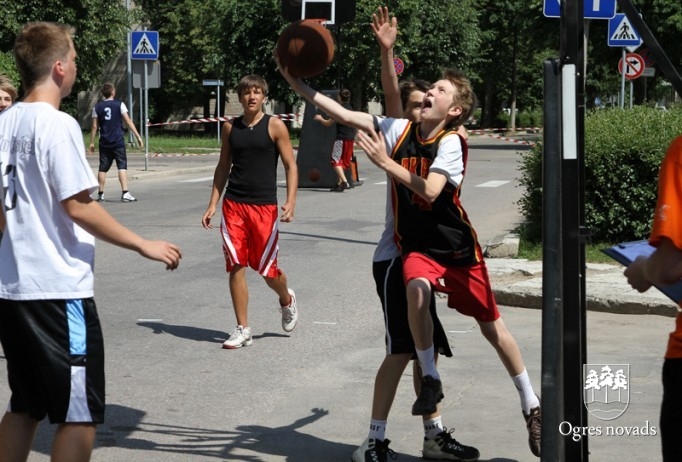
(594, 9)
(144, 45)
(215, 83)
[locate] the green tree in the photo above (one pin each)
(100, 28)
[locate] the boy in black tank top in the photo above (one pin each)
(251, 146)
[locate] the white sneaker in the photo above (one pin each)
(373, 450)
(100, 197)
(240, 336)
(127, 197)
(289, 314)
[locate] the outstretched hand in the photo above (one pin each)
(385, 28)
(374, 146)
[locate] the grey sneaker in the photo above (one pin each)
(445, 447)
(289, 313)
(430, 395)
(373, 450)
(240, 336)
(127, 197)
(534, 425)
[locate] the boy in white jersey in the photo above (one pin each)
(49, 329)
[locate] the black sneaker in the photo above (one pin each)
(338, 188)
(373, 450)
(445, 447)
(534, 424)
(430, 395)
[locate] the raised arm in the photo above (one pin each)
(356, 119)
(386, 31)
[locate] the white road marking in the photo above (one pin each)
(149, 320)
(325, 323)
(197, 180)
(492, 184)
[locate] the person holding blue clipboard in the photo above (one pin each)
(663, 268)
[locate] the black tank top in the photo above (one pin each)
(253, 177)
(442, 229)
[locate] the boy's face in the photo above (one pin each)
(413, 106)
(252, 99)
(438, 102)
(5, 100)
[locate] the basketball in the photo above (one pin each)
(305, 48)
(314, 174)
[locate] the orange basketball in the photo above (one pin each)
(305, 48)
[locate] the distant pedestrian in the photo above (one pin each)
(251, 147)
(663, 268)
(49, 328)
(342, 149)
(108, 116)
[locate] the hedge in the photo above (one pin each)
(623, 152)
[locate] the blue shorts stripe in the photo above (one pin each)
(77, 331)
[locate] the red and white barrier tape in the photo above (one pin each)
(291, 116)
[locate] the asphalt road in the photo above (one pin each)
(174, 395)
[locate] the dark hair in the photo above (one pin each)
(251, 81)
(107, 90)
(407, 87)
(344, 95)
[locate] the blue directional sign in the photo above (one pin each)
(621, 32)
(144, 45)
(594, 9)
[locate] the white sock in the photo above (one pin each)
(377, 430)
(529, 399)
(433, 427)
(427, 361)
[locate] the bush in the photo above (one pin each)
(623, 152)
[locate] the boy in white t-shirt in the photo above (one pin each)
(49, 327)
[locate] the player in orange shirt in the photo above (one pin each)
(663, 268)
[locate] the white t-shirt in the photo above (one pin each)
(43, 253)
(449, 161)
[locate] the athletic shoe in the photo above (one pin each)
(289, 313)
(534, 425)
(240, 336)
(374, 451)
(430, 395)
(100, 197)
(127, 197)
(445, 447)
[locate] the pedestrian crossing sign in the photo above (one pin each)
(621, 32)
(144, 45)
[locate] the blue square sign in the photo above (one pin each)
(594, 9)
(144, 45)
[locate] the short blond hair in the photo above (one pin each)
(38, 46)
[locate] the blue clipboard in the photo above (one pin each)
(626, 252)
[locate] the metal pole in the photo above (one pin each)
(552, 272)
(217, 95)
(631, 94)
(622, 79)
(146, 118)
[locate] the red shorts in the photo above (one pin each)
(250, 237)
(468, 287)
(342, 153)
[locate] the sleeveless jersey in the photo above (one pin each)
(442, 229)
(110, 123)
(253, 176)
